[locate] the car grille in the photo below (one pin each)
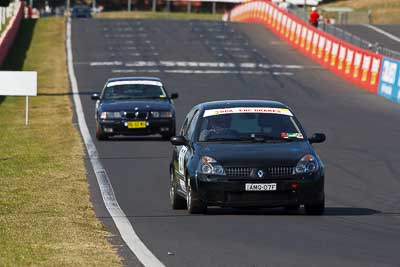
(280, 171)
(276, 171)
(238, 171)
(136, 115)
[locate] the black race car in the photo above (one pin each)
(81, 11)
(134, 106)
(245, 154)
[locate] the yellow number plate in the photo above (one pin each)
(136, 124)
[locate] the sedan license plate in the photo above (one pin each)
(261, 187)
(136, 124)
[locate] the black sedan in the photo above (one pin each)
(134, 106)
(81, 11)
(245, 154)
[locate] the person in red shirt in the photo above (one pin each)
(313, 17)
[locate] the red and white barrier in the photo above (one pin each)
(8, 36)
(361, 67)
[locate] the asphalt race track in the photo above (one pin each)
(372, 36)
(361, 226)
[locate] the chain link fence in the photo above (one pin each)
(347, 36)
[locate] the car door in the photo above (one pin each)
(185, 152)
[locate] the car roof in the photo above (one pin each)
(134, 79)
(80, 6)
(241, 103)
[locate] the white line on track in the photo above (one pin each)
(389, 35)
(193, 64)
(194, 71)
(128, 234)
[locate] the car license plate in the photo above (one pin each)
(261, 187)
(136, 124)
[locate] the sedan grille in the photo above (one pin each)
(280, 171)
(238, 171)
(136, 115)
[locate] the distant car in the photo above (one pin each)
(245, 154)
(81, 11)
(134, 106)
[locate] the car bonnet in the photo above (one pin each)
(255, 154)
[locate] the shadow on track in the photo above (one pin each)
(68, 93)
(136, 139)
(329, 211)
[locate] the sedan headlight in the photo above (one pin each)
(307, 164)
(208, 165)
(110, 115)
(161, 114)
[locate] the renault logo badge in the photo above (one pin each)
(260, 174)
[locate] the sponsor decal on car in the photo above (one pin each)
(214, 112)
(144, 82)
(291, 135)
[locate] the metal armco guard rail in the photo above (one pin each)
(8, 36)
(359, 66)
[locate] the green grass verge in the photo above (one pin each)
(383, 11)
(157, 15)
(46, 217)
(4, 27)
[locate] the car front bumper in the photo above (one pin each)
(228, 192)
(155, 126)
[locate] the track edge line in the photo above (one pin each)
(125, 228)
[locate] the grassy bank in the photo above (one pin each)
(46, 217)
(157, 15)
(383, 11)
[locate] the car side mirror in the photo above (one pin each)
(178, 140)
(95, 96)
(317, 138)
(174, 96)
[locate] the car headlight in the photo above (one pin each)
(307, 164)
(161, 114)
(110, 115)
(208, 165)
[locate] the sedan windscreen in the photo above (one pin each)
(133, 91)
(249, 125)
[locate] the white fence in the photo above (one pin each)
(7, 12)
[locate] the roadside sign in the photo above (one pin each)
(19, 83)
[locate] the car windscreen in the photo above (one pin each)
(133, 91)
(249, 124)
(80, 9)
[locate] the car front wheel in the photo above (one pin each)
(177, 202)
(100, 135)
(168, 135)
(194, 203)
(317, 208)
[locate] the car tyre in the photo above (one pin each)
(177, 202)
(315, 208)
(167, 136)
(194, 203)
(100, 135)
(292, 207)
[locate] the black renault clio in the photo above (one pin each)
(134, 106)
(245, 154)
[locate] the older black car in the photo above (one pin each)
(134, 106)
(245, 154)
(81, 11)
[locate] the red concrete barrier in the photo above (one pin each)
(361, 67)
(8, 36)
